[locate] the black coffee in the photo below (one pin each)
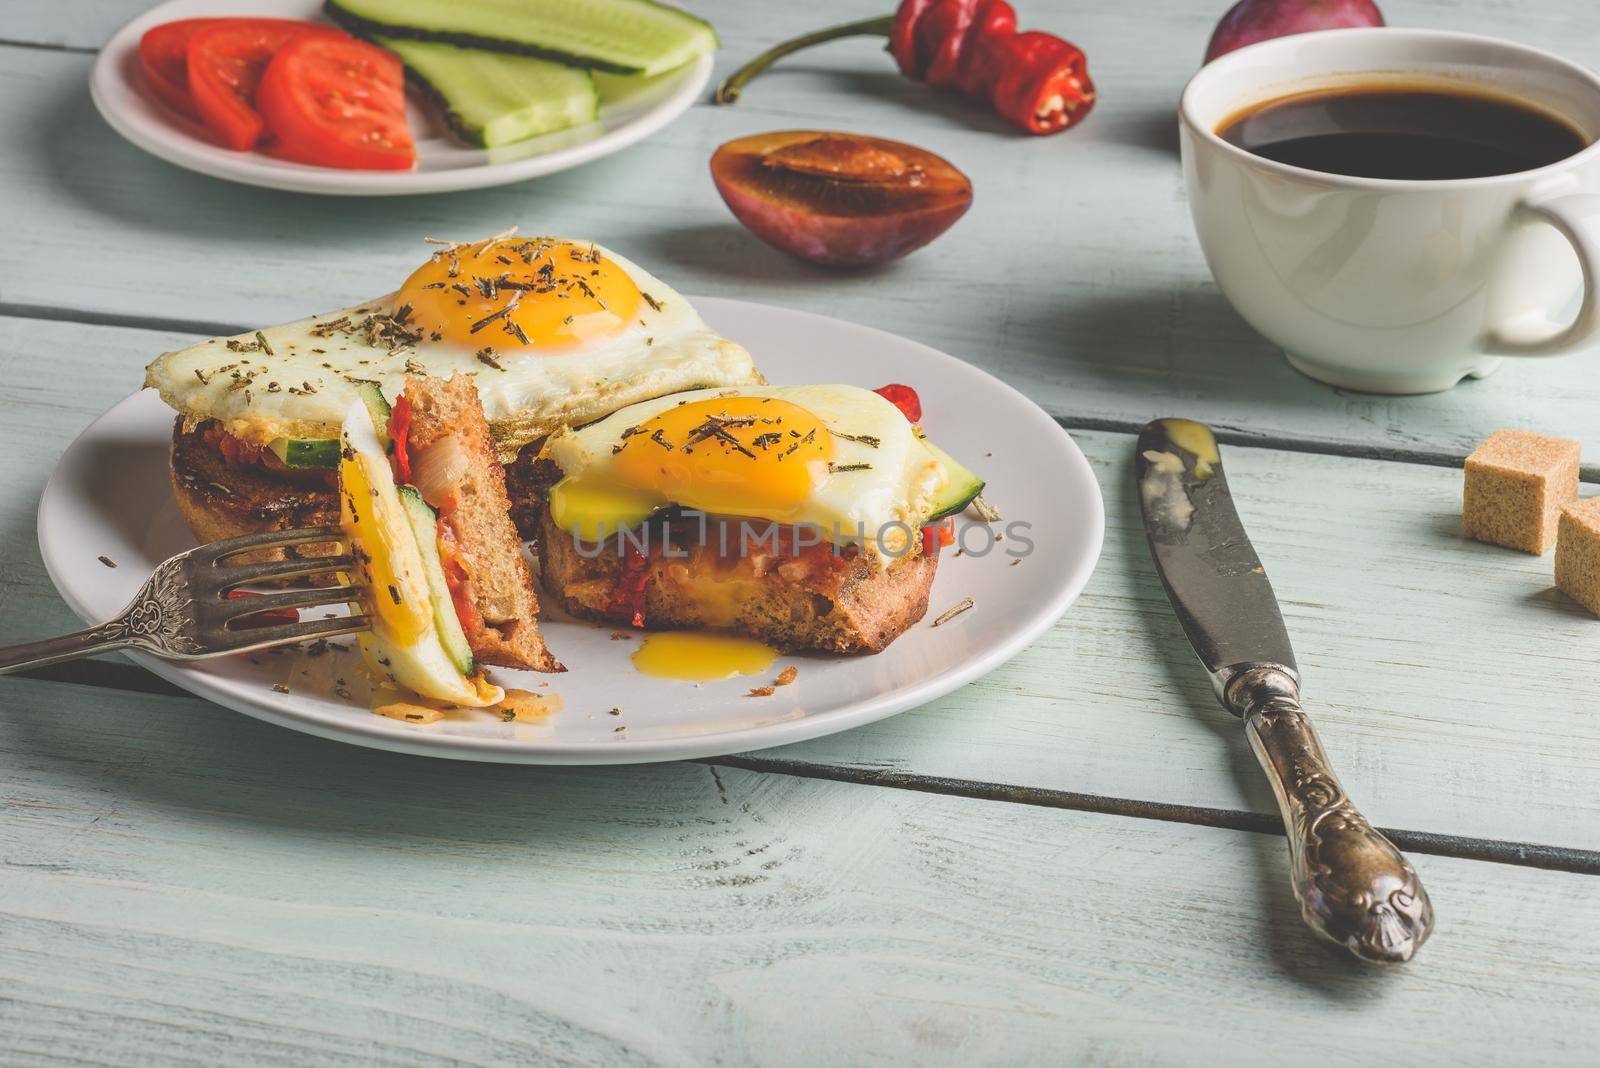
(1418, 135)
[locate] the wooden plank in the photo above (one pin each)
(1089, 292)
(182, 887)
(1452, 683)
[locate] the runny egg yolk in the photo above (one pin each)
(516, 294)
(398, 597)
(697, 657)
(744, 456)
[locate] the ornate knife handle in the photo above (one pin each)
(1354, 887)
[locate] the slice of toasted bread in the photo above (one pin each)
(505, 630)
(219, 500)
(839, 604)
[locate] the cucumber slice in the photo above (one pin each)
(624, 36)
(959, 492)
(371, 395)
(425, 525)
(307, 452)
(492, 98)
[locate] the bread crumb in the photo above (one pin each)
(107, 561)
(1515, 485)
(1578, 553)
(786, 676)
(618, 636)
(763, 691)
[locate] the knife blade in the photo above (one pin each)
(1207, 565)
(1354, 887)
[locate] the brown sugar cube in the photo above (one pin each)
(1516, 483)
(1578, 553)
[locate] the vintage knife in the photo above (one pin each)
(1353, 885)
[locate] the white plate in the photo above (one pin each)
(443, 165)
(109, 495)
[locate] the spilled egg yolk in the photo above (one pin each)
(743, 456)
(517, 294)
(698, 657)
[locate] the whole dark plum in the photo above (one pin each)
(1250, 21)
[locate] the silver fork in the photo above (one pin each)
(184, 611)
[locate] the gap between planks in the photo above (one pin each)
(112, 675)
(1492, 850)
(48, 46)
(1227, 435)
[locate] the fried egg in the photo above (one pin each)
(840, 459)
(404, 647)
(554, 332)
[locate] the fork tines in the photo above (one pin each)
(245, 639)
(225, 620)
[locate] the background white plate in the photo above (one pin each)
(119, 91)
(109, 495)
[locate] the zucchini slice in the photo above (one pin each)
(371, 395)
(494, 98)
(624, 36)
(959, 492)
(322, 453)
(425, 525)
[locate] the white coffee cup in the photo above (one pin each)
(1386, 285)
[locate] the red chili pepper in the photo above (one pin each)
(1044, 84)
(400, 435)
(903, 397)
(1034, 80)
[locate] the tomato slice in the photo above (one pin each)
(164, 57)
(337, 103)
(226, 61)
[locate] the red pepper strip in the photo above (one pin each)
(903, 397)
(1036, 81)
(629, 593)
(400, 436)
(270, 618)
(936, 536)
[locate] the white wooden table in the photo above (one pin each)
(1073, 860)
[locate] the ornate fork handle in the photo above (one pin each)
(1354, 887)
(157, 620)
(101, 639)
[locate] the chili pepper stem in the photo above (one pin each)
(734, 83)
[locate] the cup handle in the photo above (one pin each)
(1577, 217)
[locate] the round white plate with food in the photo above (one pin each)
(109, 498)
(630, 109)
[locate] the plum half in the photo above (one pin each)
(836, 198)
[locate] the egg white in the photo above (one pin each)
(884, 502)
(302, 387)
